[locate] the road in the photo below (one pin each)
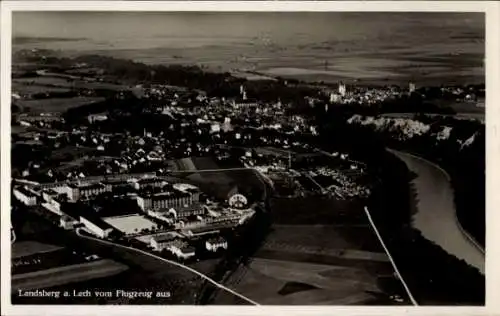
(393, 263)
(203, 276)
(436, 217)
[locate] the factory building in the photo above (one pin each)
(76, 192)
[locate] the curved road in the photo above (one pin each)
(172, 263)
(435, 217)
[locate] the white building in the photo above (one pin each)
(176, 199)
(148, 182)
(25, 196)
(412, 87)
(183, 251)
(97, 118)
(96, 226)
(213, 244)
(77, 191)
(161, 242)
(342, 89)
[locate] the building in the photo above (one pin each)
(49, 194)
(182, 250)
(44, 117)
(412, 87)
(76, 192)
(25, 196)
(175, 199)
(213, 244)
(334, 98)
(342, 89)
(184, 212)
(245, 103)
(96, 226)
(238, 201)
(148, 182)
(206, 230)
(68, 222)
(97, 118)
(161, 242)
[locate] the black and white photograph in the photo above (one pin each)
(246, 158)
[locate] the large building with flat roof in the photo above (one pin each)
(172, 199)
(76, 192)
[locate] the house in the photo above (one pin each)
(213, 244)
(182, 250)
(163, 241)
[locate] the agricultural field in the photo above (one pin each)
(319, 251)
(317, 210)
(56, 104)
(31, 247)
(278, 282)
(323, 239)
(62, 82)
(66, 274)
(29, 89)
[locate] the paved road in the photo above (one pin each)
(203, 276)
(436, 217)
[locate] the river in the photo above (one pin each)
(435, 217)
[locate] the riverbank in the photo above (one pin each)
(436, 216)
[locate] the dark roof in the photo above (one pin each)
(96, 220)
(24, 191)
(217, 239)
(187, 249)
(149, 180)
(165, 237)
(86, 186)
(167, 195)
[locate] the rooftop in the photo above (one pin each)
(217, 239)
(86, 185)
(164, 237)
(26, 192)
(166, 195)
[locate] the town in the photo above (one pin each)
(181, 172)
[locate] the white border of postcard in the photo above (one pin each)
(490, 8)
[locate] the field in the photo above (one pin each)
(319, 251)
(316, 210)
(67, 274)
(130, 224)
(35, 88)
(27, 248)
(220, 183)
(277, 282)
(312, 239)
(58, 82)
(57, 105)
